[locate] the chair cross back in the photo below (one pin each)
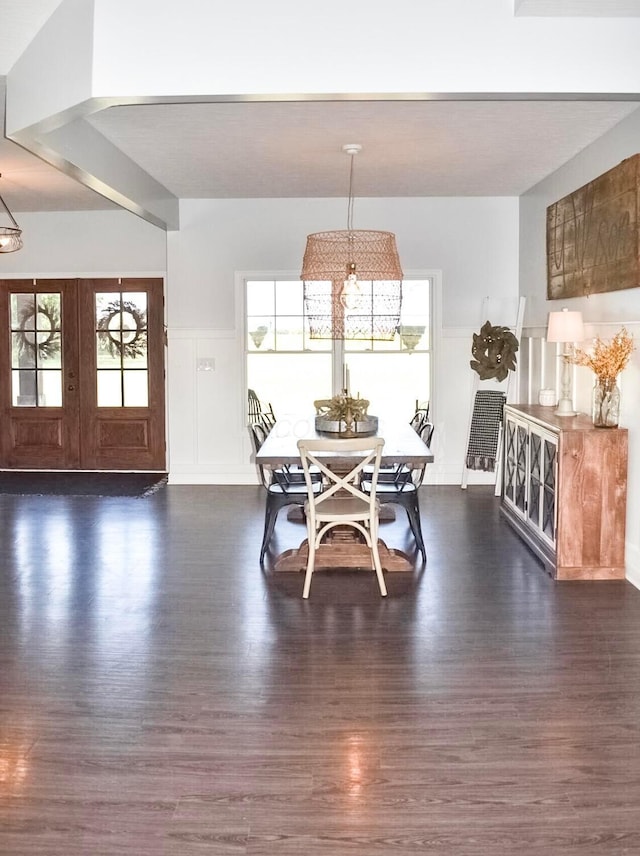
(341, 482)
(342, 501)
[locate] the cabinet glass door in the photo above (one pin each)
(548, 522)
(535, 469)
(541, 505)
(515, 464)
(510, 460)
(521, 468)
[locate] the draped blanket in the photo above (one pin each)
(484, 433)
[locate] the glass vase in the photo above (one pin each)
(606, 403)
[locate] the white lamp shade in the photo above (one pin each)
(565, 326)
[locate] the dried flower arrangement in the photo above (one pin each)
(607, 359)
(342, 407)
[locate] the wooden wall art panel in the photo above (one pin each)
(593, 235)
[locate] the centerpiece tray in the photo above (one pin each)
(363, 427)
(344, 416)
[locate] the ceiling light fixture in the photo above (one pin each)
(10, 236)
(352, 279)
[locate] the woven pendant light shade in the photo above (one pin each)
(10, 236)
(352, 280)
(329, 255)
(10, 239)
(364, 306)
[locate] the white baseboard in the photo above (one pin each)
(436, 475)
(214, 475)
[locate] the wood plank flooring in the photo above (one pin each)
(161, 695)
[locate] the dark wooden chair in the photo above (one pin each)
(418, 422)
(420, 418)
(402, 488)
(284, 486)
(259, 413)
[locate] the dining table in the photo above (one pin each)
(402, 445)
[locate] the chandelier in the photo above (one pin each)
(352, 279)
(10, 236)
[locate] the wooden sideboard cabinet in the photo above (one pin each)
(564, 490)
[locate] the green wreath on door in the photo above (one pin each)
(40, 328)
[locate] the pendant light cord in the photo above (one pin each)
(350, 203)
(12, 218)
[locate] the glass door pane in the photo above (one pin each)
(36, 349)
(121, 349)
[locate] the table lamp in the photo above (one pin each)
(565, 327)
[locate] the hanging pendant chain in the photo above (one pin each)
(9, 214)
(11, 217)
(350, 204)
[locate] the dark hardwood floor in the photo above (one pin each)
(160, 695)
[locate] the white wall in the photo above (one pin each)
(604, 314)
(250, 46)
(86, 243)
(472, 241)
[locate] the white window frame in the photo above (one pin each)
(435, 276)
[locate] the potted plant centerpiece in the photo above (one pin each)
(344, 415)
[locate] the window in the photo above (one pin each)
(36, 350)
(290, 370)
(121, 349)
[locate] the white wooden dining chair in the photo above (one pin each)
(342, 502)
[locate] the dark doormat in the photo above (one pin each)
(66, 483)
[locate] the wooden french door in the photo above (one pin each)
(82, 374)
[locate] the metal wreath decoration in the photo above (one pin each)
(494, 352)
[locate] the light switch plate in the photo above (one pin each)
(206, 364)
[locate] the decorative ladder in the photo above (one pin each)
(506, 386)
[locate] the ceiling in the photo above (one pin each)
(293, 149)
(410, 148)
